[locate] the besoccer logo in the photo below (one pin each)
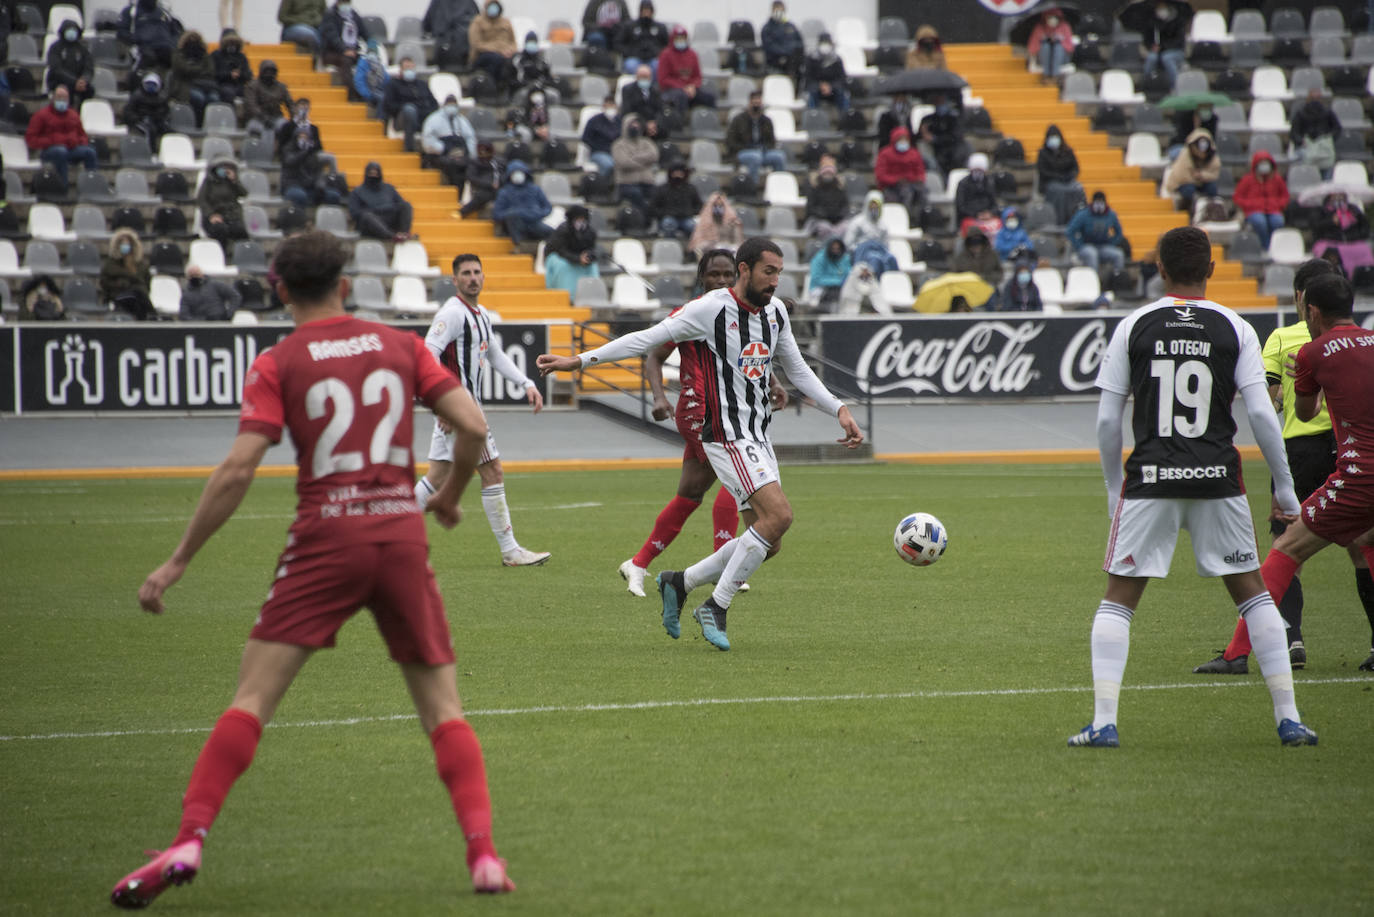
(1149, 474)
(753, 360)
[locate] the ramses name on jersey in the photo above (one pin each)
(348, 347)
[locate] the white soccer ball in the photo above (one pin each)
(920, 539)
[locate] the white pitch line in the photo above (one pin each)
(694, 702)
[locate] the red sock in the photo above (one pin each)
(458, 757)
(223, 759)
(666, 527)
(724, 518)
(1278, 570)
(1240, 642)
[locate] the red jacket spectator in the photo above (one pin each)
(895, 166)
(1261, 193)
(678, 69)
(1061, 31)
(48, 127)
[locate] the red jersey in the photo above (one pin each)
(690, 403)
(1340, 363)
(344, 389)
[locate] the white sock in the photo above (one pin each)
(498, 515)
(748, 557)
(709, 569)
(423, 491)
(1269, 643)
(1111, 641)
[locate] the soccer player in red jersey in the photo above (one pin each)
(344, 389)
(715, 271)
(1339, 364)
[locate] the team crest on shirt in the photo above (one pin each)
(439, 327)
(753, 359)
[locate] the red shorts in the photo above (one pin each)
(1342, 509)
(313, 595)
(689, 425)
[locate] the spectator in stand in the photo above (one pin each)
(636, 158)
(1051, 42)
(1096, 236)
(491, 44)
(206, 300)
(221, 210)
(602, 130)
(370, 78)
(823, 77)
(55, 134)
(407, 102)
(718, 226)
(302, 172)
(521, 206)
(643, 100)
(570, 252)
(484, 176)
(40, 300)
(675, 204)
(448, 22)
(830, 267)
(70, 64)
(300, 119)
(601, 22)
(1057, 167)
(448, 143)
(266, 101)
(1164, 36)
(300, 21)
(377, 208)
(827, 204)
(1020, 293)
(866, 236)
(125, 276)
(900, 172)
(151, 31)
(147, 111)
(1262, 195)
(979, 257)
(1313, 132)
(1342, 229)
(342, 34)
(927, 54)
(1195, 171)
(231, 67)
(863, 286)
(942, 135)
(975, 198)
(782, 43)
(749, 139)
(1012, 235)
(192, 80)
(1188, 120)
(530, 121)
(642, 40)
(679, 74)
(898, 114)
(531, 70)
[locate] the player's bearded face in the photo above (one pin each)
(762, 284)
(470, 283)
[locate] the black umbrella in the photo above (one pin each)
(919, 81)
(1140, 16)
(1021, 30)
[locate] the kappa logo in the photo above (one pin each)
(1352, 469)
(1311, 512)
(1350, 454)
(754, 358)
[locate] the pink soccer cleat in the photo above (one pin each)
(176, 865)
(489, 876)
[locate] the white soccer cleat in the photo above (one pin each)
(523, 557)
(633, 577)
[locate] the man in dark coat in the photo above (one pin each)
(407, 102)
(642, 40)
(70, 63)
(448, 21)
(377, 208)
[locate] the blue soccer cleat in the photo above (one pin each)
(673, 591)
(712, 621)
(1088, 737)
(1293, 733)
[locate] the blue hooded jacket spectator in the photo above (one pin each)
(521, 205)
(1010, 238)
(1089, 228)
(827, 271)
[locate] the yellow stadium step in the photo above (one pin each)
(361, 146)
(523, 282)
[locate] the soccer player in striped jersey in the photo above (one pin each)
(744, 329)
(715, 271)
(462, 339)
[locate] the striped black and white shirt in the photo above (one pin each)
(463, 341)
(741, 342)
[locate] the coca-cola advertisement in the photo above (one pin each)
(996, 355)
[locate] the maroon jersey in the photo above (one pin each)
(1341, 364)
(344, 388)
(691, 405)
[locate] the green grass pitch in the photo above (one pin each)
(881, 739)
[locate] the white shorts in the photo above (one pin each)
(441, 447)
(743, 466)
(1144, 533)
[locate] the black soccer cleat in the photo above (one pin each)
(1297, 655)
(1223, 666)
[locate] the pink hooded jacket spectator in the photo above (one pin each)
(1061, 31)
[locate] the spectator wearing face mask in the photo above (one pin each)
(975, 199)
(1096, 236)
(1012, 235)
(827, 204)
(679, 74)
(192, 80)
(1164, 35)
(448, 22)
(1195, 171)
(927, 54)
(1342, 228)
(302, 172)
(1020, 293)
(900, 172)
(125, 276)
(866, 237)
(70, 63)
(300, 120)
(221, 210)
(642, 40)
(151, 31)
(55, 134)
(532, 72)
(521, 205)
(750, 141)
(484, 176)
(147, 112)
(643, 100)
(266, 101)
(1051, 42)
(636, 157)
(491, 44)
(300, 21)
(232, 70)
(1313, 131)
(533, 118)
(942, 135)
(782, 43)
(602, 130)
(377, 208)
(718, 226)
(1188, 120)
(407, 102)
(830, 267)
(369, 75)
(570, 252)
(1262, 195)
(1057, 168)
(448, 143)
(206, 300)
(675, 204)
(823, 76)
(601, 21)
(342, 33)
